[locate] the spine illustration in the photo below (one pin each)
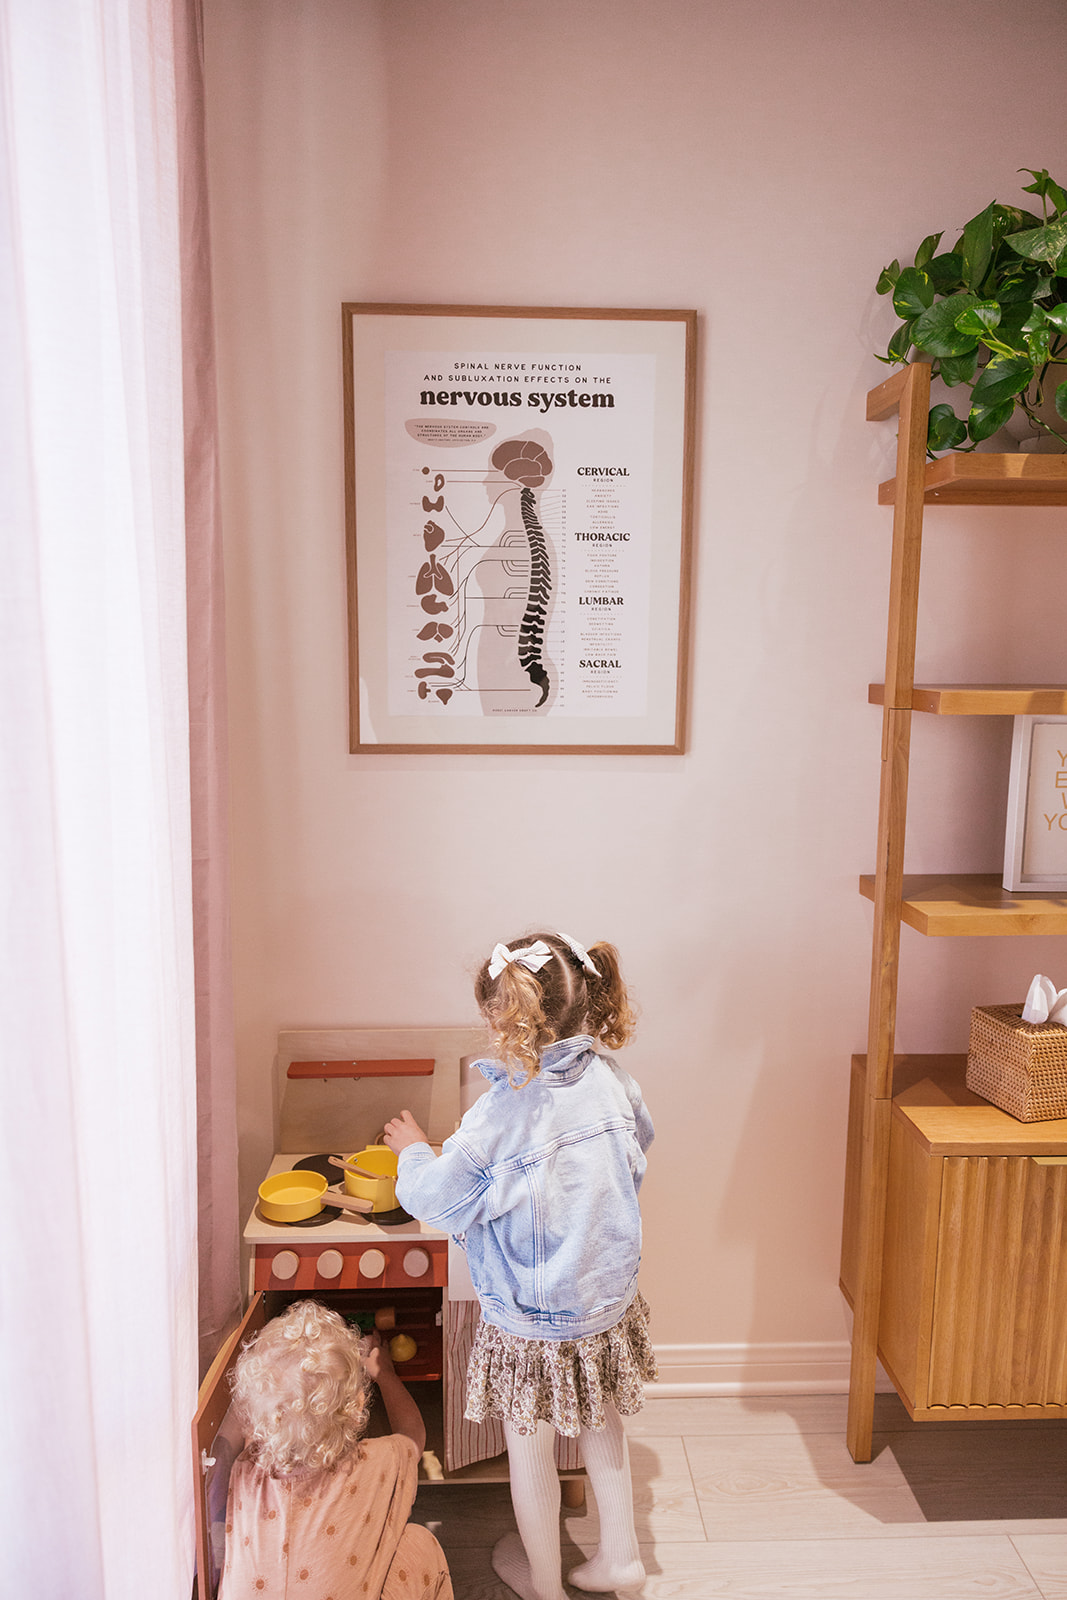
(532, 631)
(528, 463)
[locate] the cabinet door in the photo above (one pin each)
(214, 1451)
(999, 1335)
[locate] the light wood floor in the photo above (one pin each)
(758, 1499)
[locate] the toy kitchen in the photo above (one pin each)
(333, 1092)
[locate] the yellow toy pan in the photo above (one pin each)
(292, 1196)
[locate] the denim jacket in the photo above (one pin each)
(540, 1185)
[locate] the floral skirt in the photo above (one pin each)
(566, 1382)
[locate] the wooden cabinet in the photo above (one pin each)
(973, 1319)
(952, 1246)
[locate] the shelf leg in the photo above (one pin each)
(868, 1298)
(912, 395)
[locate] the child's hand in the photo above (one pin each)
(402, 1131)
(375, 1355)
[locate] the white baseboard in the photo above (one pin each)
(708, 1369)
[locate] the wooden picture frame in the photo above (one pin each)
(518, 503)
(1035, 841)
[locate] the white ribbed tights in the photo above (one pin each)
(530, 1564)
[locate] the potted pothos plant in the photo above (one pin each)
(990, 314)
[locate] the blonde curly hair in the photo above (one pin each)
(300, 1391)
(528, 1011)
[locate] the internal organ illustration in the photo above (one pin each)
(432, 582)
(527, 462)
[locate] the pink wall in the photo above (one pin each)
(759, 163)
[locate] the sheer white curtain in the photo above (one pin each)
(97, 1131)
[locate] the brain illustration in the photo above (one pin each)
(523, 461)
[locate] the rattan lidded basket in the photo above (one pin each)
(1019, 1066)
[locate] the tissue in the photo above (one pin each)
(1045, 1003)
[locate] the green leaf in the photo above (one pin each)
(913, 293)
(977, 246)
(945, 271)
(1047, 243)
(1002, 380)
(936, 331)
(901, 342)
(1044, 185)
(979, 318)
(945, 431)
(1012, 320)
(887, 278)
(927, 248)
(1057, 315)
(1037, 346)
(985, 420)
(959, 369)
(1061, 401)
(1021, 286)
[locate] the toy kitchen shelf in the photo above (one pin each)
(954, 1247)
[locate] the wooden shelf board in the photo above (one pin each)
(979, 1129)
(969, 905)
(990, 480)
(982, 699)
(932, 1097)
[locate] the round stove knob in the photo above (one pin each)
(285, 1264)
(371, 1264)
(416, 1263)
(330, 1263)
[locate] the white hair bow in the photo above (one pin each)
(531, 956)
(581, 952)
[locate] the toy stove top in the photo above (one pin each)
(323, 1165)
(332, 1224)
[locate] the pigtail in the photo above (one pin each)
(611, 1019)
(527, 1011)
(513, 1009)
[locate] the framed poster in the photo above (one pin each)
(518, 498)
(1035, 841)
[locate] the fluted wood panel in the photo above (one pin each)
(1000, 1307)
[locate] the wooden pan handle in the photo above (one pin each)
(349, 1166)
(347, 1202)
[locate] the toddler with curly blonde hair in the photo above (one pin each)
(539, 1183)
(311, 1500)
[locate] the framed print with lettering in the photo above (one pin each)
(1035, 842)
(518, 490)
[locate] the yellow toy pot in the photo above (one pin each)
(379, 1190)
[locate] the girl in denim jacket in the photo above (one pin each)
(540, 1184)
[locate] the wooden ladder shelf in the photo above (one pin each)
(949, 905)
